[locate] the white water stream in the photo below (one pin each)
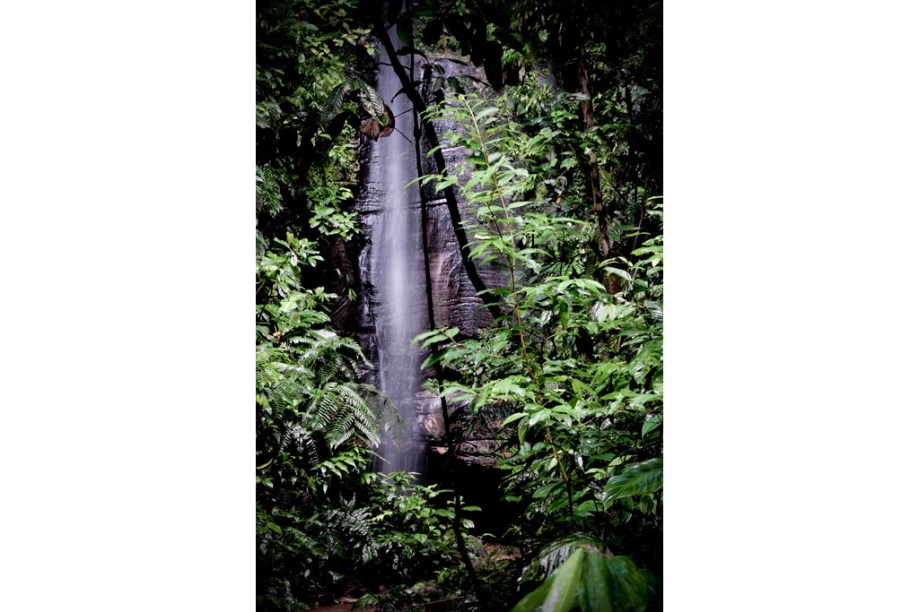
(397, 274)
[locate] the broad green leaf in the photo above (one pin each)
(595, 594)
(445, 183)
(538, 417)
(580, 389)
(620, 273)
(522, 429)
(485, 113)
(544, 490)
(559, 592)
(562, 595)
(447, 355)
(506, 388)
(534, 601)
(636, 479)
(648, 357)
(404, 29)
(644, 503)
(629, 590)
(651, 423)
(655, 593)
(433, 339)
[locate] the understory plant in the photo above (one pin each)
(324, 524)
(581, 575)
(577, 353)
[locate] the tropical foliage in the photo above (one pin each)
(558, 110)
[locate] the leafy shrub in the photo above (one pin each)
(591, 581)
(578, 353)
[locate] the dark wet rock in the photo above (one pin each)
(454, 298)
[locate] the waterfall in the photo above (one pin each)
(396, 273)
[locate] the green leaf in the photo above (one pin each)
(507, 388)
(534, 600)
(648, 357)
(544, 490)
(644, 503)
(447, 355)
(637, 479)
(651, 423)
(455, 85)
(404, 29)
(445, 183)
(596, 586)
(630, 592)
(433, 339)
(522, 429)
(562, 595)
(559, 592)
(539, 416)
(655, 600)
(485, 113)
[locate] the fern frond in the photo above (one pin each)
(303, 541)
(298, 439)
(363, 418)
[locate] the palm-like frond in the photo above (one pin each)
(315, 384)
(330, 356)
(341, 409)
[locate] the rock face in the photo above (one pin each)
(455, 303)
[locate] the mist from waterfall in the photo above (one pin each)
(397, 275)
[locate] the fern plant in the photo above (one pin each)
(315, 425)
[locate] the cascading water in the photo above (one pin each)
(396, 273)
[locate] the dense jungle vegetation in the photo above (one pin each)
(560, 111)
